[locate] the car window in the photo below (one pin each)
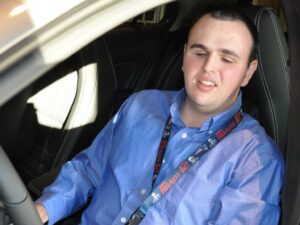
(52, 104)
(153, 16)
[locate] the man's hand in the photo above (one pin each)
(42, 212)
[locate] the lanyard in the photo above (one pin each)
(183, 167)
(162, 149)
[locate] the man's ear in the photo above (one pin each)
(249, 73)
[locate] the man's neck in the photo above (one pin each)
(192, 116)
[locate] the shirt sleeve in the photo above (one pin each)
(253, 194)
(79, 177)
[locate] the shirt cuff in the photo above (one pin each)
(54, 207)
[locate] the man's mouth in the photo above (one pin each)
(207, 83)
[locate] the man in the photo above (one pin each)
(235, 181)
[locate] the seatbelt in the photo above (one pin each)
(183, 167)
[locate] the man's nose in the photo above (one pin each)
(210, 64)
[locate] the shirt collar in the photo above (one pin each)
(212, 123)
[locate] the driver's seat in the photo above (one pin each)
(268, 90)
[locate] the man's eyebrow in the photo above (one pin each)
(201, 46)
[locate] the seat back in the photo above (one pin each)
(269, 88)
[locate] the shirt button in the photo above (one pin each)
(164, 161)
(183, 135)
(123, 220)
(210, 131)
(143, 191)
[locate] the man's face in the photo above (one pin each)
(215, 63)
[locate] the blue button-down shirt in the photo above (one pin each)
(237, 182)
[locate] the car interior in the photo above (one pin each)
(60, 114)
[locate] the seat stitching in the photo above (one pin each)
(265, 86)
(273, 19)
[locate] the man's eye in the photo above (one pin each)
(201, 53)
(227, 60)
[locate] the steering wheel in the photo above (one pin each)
(14, 196)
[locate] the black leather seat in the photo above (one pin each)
(269, 88)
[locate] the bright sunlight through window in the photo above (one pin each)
(61, 99)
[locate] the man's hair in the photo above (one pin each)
(231, 13)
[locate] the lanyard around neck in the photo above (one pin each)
(183, 167)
